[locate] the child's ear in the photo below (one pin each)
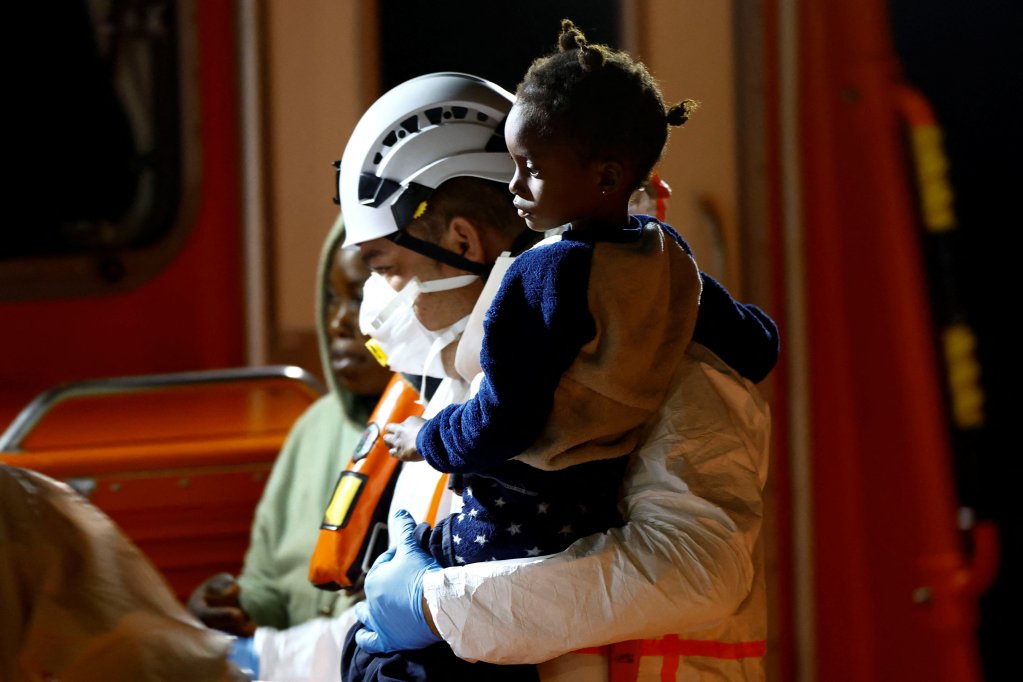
(612, 177)
(463, 237)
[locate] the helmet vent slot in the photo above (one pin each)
(433, 115)
(373, 190)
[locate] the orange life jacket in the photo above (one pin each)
(354, 528)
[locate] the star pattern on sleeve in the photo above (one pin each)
(542, 508)
(515, 528)
(499, 502)
(566, 529)
(533, 552)
(480, 540)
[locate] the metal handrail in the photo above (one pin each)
(33, 413)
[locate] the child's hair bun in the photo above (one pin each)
(571, 37)
(590, 56)
(680, 113)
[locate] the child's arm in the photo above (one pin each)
(537, 324)
(741, 334)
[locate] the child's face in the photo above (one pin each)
(550, 185)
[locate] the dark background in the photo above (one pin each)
(497, 41)
(965, 57)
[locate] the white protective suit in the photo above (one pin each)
(687, 562)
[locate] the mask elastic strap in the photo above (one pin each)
(446, 284)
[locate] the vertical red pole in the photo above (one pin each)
(887, 554)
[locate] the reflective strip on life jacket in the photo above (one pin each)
(623, 657)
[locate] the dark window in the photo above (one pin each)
(496, 41)
(96, 104)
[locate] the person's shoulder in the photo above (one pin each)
(326, 408)
(654, 227)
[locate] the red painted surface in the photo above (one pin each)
(249, 409)
(884, 503)
(190, 315)
(179, 469)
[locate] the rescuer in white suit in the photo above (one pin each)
(677, 592)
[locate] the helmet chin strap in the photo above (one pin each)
(523, 241)
(431, 250)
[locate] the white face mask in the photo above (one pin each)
(397, 338)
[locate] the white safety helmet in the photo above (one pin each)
(416, 136)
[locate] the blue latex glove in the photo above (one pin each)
(243, 654)
(392, 614)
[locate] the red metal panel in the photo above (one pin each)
(193, 412)
(178, 468)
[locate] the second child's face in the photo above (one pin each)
(550, 185)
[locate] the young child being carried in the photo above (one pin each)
(583, 339)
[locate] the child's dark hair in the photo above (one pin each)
(601, 101)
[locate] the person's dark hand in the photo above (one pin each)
(401, 439)
(215, 603)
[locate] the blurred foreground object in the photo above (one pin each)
(81, 602)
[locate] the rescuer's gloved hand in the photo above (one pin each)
(243, 654)
(392, 614)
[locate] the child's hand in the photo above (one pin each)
(401, 439)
